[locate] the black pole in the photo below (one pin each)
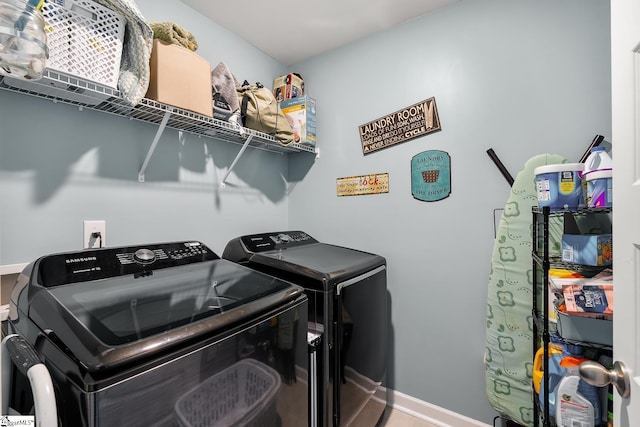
(596, 141)
(500, 166)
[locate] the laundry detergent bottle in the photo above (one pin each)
(597, 161)
(577, 402)
(597, 178)
(556, 373)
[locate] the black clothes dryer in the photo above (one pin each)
(347, 291)
(164, 335)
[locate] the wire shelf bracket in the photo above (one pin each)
(152, 148)
(240, 153)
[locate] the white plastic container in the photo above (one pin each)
(599, 188)
(597, 176)
(559, 186)
(85, 40)
(599, 160)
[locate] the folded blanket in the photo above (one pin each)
(136, 51)
(174, 33)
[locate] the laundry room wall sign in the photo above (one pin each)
(431, 175)
(365, 184)
(409, 123)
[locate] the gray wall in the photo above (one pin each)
(520, 77)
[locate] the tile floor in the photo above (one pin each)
(395, 418)
(291, 397)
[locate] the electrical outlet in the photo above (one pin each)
(95, 234)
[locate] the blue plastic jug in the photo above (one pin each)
(556, 373)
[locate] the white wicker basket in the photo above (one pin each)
(84, 40)
(242, 395)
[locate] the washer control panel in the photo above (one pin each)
(107, 262)
(171, 254)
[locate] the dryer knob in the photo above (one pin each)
(144, 256)
(284, 238)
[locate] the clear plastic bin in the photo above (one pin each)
(585, 329)
(23, 41)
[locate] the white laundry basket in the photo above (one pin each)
(244, 394)
(85, 39)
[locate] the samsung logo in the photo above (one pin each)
(83, 259)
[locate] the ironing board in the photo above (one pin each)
(509, 335)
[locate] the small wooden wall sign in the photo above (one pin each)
(431, 175)
(403, 125)
(364, 184)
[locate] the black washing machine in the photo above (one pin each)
(347, 291)
(158, 335)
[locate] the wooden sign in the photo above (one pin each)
(412, 122)
(431, 175)
(365, 184)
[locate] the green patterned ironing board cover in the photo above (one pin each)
(509, 351)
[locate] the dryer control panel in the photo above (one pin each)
(278, 240)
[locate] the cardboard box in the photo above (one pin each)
(556, 285)
(587, 249)
(180, 78)
(301, 115)
(589, 300)
(287, 87)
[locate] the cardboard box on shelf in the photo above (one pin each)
(301, 115)
(556, 285)
(180, 78)
(590, 299)
(288, 86)
(587, 249)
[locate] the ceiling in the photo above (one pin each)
(294, 30)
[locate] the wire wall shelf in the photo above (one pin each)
(63, 88)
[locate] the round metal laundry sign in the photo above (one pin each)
(431, 175)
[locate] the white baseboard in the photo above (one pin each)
(425, 411)
(11, 268)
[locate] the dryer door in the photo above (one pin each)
(360, 348)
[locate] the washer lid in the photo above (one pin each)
(110, 321)
(320, 261)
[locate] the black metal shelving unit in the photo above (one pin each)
(543, 259)
(540, 278)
